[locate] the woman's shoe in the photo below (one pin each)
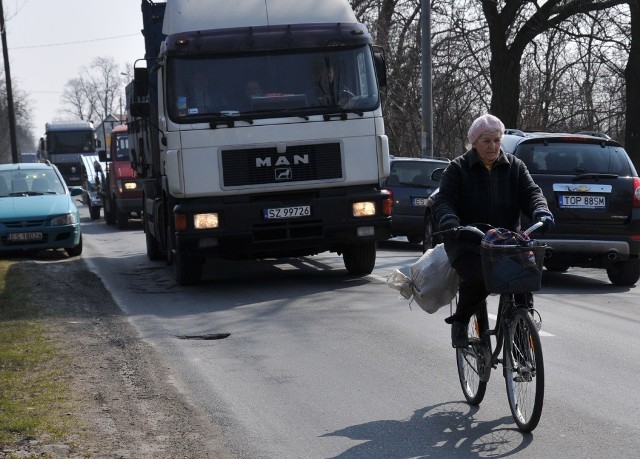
(459, 334)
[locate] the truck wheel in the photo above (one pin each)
(359, 259)
(153, 248)
(75, 251)
(169, 240)
(94, 212)
(122, 219)
(625, 273)
(109, 214)
(187, 269)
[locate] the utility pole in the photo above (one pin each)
(427, 101)
(7, 73)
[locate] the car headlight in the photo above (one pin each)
(68, 219)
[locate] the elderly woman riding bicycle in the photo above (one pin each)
(484, 185)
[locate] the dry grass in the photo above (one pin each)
(34, 396)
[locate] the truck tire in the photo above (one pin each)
(625, 273)
(187, 269)
(153, 248)
(360, 258)
(109, 214)
(94, 212)
(122, 219)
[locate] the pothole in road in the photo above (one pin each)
(210, 336)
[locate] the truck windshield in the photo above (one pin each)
(70, 142)
(121, 148)
(268, 85)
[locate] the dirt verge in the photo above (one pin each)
(122, 398)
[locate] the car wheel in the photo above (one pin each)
(624, 273)
(427, 240)
(75, 251)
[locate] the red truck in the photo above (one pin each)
(121, 191)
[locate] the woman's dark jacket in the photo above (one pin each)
(473, 194)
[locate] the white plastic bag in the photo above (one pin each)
(433, 283)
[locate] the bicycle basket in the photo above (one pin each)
(512, 265)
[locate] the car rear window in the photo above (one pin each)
(574, 158)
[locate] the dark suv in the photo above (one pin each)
(593, 190)
(410, 185)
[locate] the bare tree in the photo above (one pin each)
(22, 110)
(632, 76)
(96, 92)
(511, 29)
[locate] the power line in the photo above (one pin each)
(75, 42)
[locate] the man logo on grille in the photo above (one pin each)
(283, 173)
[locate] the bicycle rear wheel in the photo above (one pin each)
(473, 360)
(524, 371)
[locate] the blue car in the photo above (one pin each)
(37, 211)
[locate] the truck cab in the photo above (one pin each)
(122, 191)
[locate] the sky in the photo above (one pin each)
(49, 42)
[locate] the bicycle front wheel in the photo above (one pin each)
(473, 360)
(524, 371)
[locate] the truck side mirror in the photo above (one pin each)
(140, 82)
(381, 68)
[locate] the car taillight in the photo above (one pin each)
(636, 191)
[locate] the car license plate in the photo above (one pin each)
(25, 237)
(286, 212)
(568, 201)
(419, 202)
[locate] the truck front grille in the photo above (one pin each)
(299, 163)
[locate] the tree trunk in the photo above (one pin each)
(632, 76)
(505, 87)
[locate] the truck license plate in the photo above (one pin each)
(582, 202)
(25, 237)
(286, 212)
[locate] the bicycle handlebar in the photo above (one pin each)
(474, 229)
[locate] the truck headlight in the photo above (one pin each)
(364, 209)
(205, 221)
(126, 186)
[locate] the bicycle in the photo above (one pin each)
(516, 333)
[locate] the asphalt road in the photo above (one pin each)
(296, 359)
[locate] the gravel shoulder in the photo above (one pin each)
(124, 402)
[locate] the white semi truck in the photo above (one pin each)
(257, 129)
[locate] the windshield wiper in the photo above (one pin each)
(340, 112)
